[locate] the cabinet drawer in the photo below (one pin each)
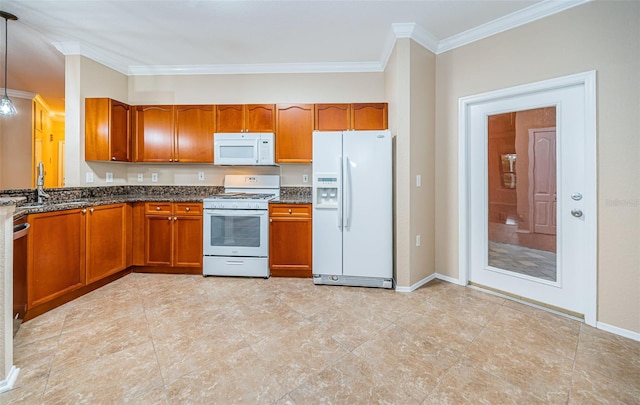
(158, 208)
(188, 208)
(290, 210)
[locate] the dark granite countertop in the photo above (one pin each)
(294, 195)
(83, 197)
(11, 200)
(32, 208)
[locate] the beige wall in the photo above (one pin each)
(86, 78)
(410, 88)
(16, 140)
(599, 35)
(423, 123)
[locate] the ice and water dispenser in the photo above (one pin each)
(326, 190)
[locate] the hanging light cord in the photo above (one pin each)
(6, 51)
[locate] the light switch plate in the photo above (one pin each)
(418, 240)
(418, 180)
(89, 178)
(305, 178)
(201, 176)
(154, 177)
(109, 177)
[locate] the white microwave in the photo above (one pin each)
(243, 149)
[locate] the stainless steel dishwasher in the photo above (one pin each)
(20, 232)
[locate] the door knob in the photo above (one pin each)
(576, 213)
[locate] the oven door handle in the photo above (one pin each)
(235, 212)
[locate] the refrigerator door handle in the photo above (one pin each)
(347, 192)
(339, 202)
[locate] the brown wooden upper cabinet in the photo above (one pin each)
(107, 130)
(294, 132)
(182, 133)
(245, 118)
(342, 117)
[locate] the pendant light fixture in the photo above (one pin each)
(7, 108)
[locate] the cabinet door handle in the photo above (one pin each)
(270, 219)
(84, 211)
(113, 158)
(175, 218)
(91, 210)
(157, 208)
(188, 209)
(169, 218)
(170, 160)
(289, 210)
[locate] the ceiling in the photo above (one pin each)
(236, 36)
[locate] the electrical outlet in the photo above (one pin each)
(140, 177)
(305, 178)
(418, 241)
(418, 180)
(154, 177)
(201, 176)
(89, 178)
(109, 177)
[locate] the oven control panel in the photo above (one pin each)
(236, 205)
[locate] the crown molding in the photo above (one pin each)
(258, 68)
(21, 94)
(532, 13)
(398, 30)
(417, 33)
(104, 58)
(56, 116)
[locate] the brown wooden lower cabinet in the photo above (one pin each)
(173, 235)
(106, 246)
(290, 240)
(73, 248)
(56, 255)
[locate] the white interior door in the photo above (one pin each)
(543, 179)
(568, 172)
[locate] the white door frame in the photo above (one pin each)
(588, 81)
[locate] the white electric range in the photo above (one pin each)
(236, 227)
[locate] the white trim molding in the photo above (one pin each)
(410, 30)
(417, 285)
(8, 383)
(618, 331)
(532, 13)
(588, 81)
(264, 68)
(21, 94)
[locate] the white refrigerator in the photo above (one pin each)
(352, 208)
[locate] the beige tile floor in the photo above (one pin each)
(165, 339)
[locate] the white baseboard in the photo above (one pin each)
(7, 383)
(618, 331)
(417, 285)
(448, 279)
(424, 281)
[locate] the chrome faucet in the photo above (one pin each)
(40, 183)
